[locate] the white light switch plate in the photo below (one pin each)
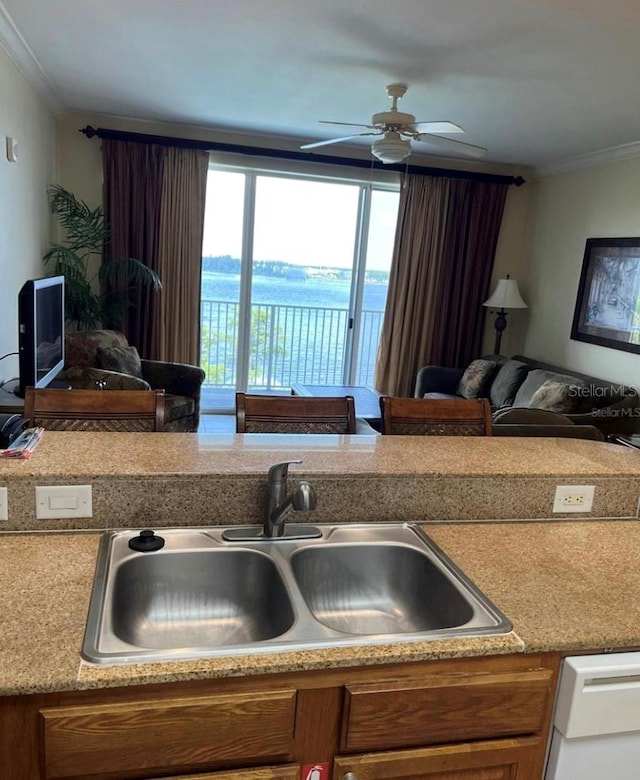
(4, 504)
(57, 501)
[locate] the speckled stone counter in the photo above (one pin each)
(183, 454)
(565, 586)
(177, 479)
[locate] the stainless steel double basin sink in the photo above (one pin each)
(201, 595)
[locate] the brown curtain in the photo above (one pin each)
(471, 235)
(413, 282)
(176, 332)
(154, 205)
(444, 248)
(132, 186)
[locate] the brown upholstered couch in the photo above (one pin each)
(181, 382)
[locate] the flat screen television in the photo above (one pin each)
(40, 332)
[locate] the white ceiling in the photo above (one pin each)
(534, 81)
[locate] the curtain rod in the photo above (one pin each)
(217, 146)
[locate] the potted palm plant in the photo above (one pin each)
(96, 285)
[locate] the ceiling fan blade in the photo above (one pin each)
(316, 144)
(346, 124)
(439, 127)
(451, 145)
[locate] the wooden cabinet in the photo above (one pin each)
(446, 707)
(449, 705)
(176, 732)
(505, 759)
(458, 719)
(261, 773)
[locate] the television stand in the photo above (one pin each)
(9, 402)
(58, 384)
(55, 384)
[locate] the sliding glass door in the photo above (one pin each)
(294, 281)
(220, 286)
(301, 281)
(378, 228)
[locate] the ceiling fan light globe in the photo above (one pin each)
(391, 150)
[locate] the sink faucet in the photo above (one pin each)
(302, 497)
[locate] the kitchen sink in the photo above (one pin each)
(203, 595)
(199, 599)
(378, 589)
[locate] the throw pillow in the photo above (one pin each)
(125, 360)
(475, 380)
(534, 381)
(508, 379)
(81, 346)
(555, 397)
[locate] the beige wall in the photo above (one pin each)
(79, 158)
(509, 260)
(566, 209)
(24, 216)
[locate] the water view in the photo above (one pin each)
(299, 320)
(307, 292)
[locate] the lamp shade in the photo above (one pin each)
(506, 296)
(391, 148)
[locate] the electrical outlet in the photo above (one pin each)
(63, 501)
(573, 498)
(4, 504)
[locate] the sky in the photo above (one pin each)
(298, 221)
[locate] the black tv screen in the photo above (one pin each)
(40, 332)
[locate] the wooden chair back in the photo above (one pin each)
(436, 417)
(294, 414)
(95, 410)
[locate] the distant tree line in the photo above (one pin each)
(225, 264)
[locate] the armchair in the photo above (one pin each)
(92, 355)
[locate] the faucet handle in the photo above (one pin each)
(279, 471)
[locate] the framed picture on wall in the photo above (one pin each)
(607, 308)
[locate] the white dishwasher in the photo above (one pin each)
(596, 729)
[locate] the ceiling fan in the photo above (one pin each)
(397, 130)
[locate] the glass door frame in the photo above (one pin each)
(358, 267)
(356, 299)
(246, 278)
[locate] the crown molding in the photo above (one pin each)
(604, 157)
(20, 53)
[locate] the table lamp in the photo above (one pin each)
(505, 296)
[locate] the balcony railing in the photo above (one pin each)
(288, 344)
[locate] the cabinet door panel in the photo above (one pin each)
(443, 708)
(260, 773)
(506, 759)
(180, 733)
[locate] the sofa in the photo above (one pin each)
(529, 386)
(104, 359)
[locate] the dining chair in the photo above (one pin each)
(435, 417)
(294, 414)
(95, 410)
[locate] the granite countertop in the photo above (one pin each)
(163, 480)
(96, 455)
(565, 586)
